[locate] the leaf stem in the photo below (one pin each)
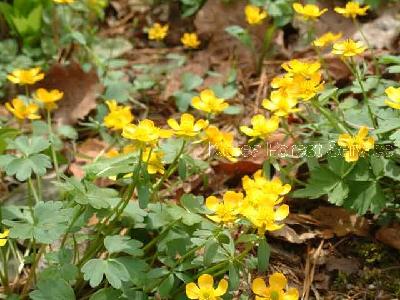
(53, 151)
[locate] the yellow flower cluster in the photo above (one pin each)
(302, 82)
(28, 109)
(158, 32)
(277, 288)
(145, 135)
(260, 205)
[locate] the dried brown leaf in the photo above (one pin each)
(341, 221)
(80, 91)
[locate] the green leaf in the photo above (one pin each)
(182, 170)
(144, 193)
(339, 193)
(68, 132)
(263, 254)
(122, 164)
(365, 196)
(233, 110)
(23, 168)
(166, 286)
(210, 251)
(29, 146)
(6, 133)
(49, 223)
(88, 193)
(53, 288)
(106, 294)
(193, 203)
(234, 278)
(241, 34)
(191, 81)
(322, 181)
(183, 100)
(95, 269)
(118, 243)
(171, 148)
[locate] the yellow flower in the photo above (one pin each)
(153, 158)
(352, 10)
(275, 290)
(262, 127)
(64, 1)
(208, 102)
(22, 111)
(280, 104)
(190, 40)
(223, 142)
(158, 32)
(48, 98)
(3, 237)
(254, 14)
(188, 126)
(118, 117)
(394, 97)
(227, 210)
(204, 289)
(308, 11)
(145, 132)
(298, 67)
(305, 89)
(264, 217)
(261, 191)
(29, 76)
(356, 145)
(348, 48)
(326, 39)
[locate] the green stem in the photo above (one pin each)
(4, 278)
(376, 65)
(352, 66)
(53, 151)
(76, 217)
(266, 46)
(171, 169)
(32, 271)
(150, 244)
(331, 119)
(33, 190)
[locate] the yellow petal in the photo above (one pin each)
(291, 294)
(277, 281)
(363, 132)
(351, 155)
(212, 203)
(222, 288)
(192, 291)
(173, 124)
(259, 287)
(282, 212)
(205, 281)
